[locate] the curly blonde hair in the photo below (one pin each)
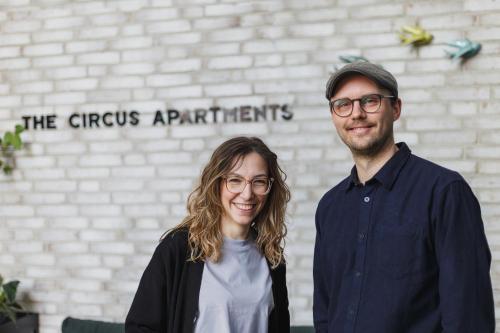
(205, 208)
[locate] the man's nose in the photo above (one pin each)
(357, 110)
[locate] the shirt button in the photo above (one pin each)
(366, 199)
(358, 273)
(361, 236)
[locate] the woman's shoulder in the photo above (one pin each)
(175, 241)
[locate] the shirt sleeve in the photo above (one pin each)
(148, 311)
(320, 297)
(463, 256)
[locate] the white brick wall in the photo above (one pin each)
(81, 214)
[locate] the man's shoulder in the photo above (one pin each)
(431, 171)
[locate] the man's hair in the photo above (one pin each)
(205, 208)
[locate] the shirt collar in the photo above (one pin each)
(389, 172)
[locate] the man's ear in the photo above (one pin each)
(396, 109)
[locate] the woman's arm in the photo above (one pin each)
(148, 312)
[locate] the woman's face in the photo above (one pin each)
(240, 209)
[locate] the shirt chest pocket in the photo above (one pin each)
(398, 250)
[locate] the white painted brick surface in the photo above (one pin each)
(84, 209)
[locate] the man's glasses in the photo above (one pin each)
(369, 103)
(260, 185)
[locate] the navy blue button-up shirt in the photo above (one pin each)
(404, 253)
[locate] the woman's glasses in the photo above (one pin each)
(259, 185)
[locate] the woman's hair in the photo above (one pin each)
(205, 208)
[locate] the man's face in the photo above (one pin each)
(366, 134)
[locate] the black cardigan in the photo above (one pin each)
(167, 298)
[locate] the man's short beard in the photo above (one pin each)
(374, 148)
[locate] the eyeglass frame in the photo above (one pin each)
(380, 96)
(270, 181)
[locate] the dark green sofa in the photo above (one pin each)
(73, 325)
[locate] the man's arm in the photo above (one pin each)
(466, 298)
(320, 300)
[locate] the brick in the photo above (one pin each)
(112, 248)
(15, 39)
(21, 26)
(169, 158)
(168, 80)
(137, 68)
(312, 29)
(34, 87)
(118, 82)
(481, 152)
(64, 98)
(449, 137)
(211, 23)
(66, 73)
(463, 93)
(94, 273)
(52, 61)
(133, 198)
(180, 92)
(150, 55)
(227, 9)
(231, 35)
(290, 45)
(481, 5)
(97, 160)
(434, 124)
(85, 46)
(168, 26)
(44, 174)
(26, 247)
(156, 14)
(268, 60)
(245, 129)
(178, 171)
(62, 23)
(12, 64)
(103, 58)
(10, 52)
(132, 43)
(133, 172)
(7, 101)
(368, 26)
(186, 65)
(233, 89)
(180, 39)
(76, 85)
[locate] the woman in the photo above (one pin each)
(222, 269)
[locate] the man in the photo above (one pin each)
(400, 244)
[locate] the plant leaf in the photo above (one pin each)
(19, 129)
(7, 139)
(16, 141)
(7, 169)
(10, 289)
(4, 308)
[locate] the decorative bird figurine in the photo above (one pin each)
(352, 58)
(415, 36)
(465, 49)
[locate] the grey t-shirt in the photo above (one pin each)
(235, 294)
